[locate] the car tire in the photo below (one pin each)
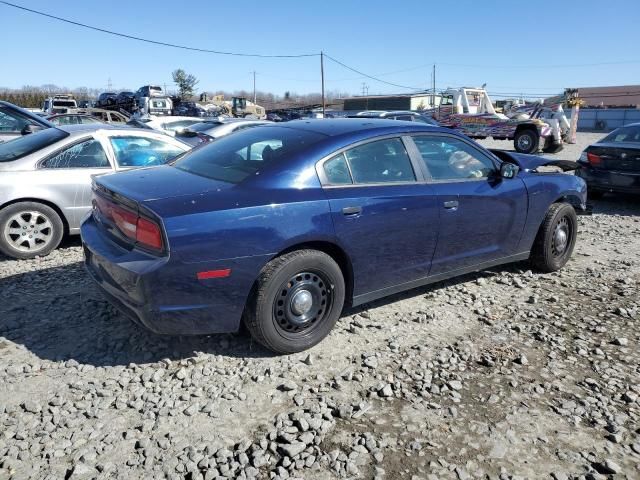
(39, 225)
(527, 141)
(556, 238)
(296, 301)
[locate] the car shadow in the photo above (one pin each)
(58, 314)
(617, 204)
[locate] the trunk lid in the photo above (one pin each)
(158, 183)
(620, 156)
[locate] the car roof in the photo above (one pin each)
(341, 126)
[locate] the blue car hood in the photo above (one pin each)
(157, 183)
(529, 163)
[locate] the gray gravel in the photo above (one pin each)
(505, 374)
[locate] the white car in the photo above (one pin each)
(168, 125)
(224, 126)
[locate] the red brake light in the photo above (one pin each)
(148, 233)
(594, 159)
(140, 229)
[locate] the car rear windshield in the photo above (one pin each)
(235, 157)
(28, 144)
(624, 134)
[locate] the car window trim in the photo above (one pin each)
(495, 160)
(40, 164)
(417, 170)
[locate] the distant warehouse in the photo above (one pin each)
(626, 96)
(415, 101)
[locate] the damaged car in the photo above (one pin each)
(280, 227)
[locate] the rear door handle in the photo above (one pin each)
(451, 204)
(351, 211)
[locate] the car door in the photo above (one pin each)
(69, 171)
(481, 214)
(12, 124)
(384, 216)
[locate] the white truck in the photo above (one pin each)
(59, 104)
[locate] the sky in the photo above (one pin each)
(515, 47)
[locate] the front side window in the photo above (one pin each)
(382, 161)
(88, 154)
(142, 151)
(452, 159)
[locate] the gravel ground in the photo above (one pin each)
(503, 374)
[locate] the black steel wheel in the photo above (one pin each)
(526, 140)
(297, 300)
(556, 238)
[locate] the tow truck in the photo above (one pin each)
(471, 112)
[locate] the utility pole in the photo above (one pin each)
(433, 95)
(322, 78)
(109, 85)
(254, 87)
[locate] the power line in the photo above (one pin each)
(622, 62)
(156, 42)
(370, 76)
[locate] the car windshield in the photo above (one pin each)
(64, 103)
(235, 157)
(624, 134)
(202, 126)
(27, 144)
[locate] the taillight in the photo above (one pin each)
(142, 230)
(594, 160)
(148, 233)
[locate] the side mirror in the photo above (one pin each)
(29, 128)
(509, 170)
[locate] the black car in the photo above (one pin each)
(16, 121)
(613, 163)
(190, 109)
(106, 99)
(124, 98)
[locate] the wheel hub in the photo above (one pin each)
(524, 142)
(301, 302)
(560, 239)
(28, 231)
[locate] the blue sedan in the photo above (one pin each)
(282, 226)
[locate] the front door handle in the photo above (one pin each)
(451, 204)
(351, 211)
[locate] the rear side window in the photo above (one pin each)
(235, 157)
(142, 151)
(28, 144)
(382, 161)
(88, 154)
(337, 171)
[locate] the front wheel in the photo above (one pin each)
(297, 300)
(526, 141)
(29, 229)
(556, 238)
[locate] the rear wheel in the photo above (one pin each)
(297, 301)
(29, 229)
(556, 238)
(526, 141)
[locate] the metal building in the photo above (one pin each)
(409, 101)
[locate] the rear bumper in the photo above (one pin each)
(164, 295)
(610, 180)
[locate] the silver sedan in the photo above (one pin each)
(45, 179)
